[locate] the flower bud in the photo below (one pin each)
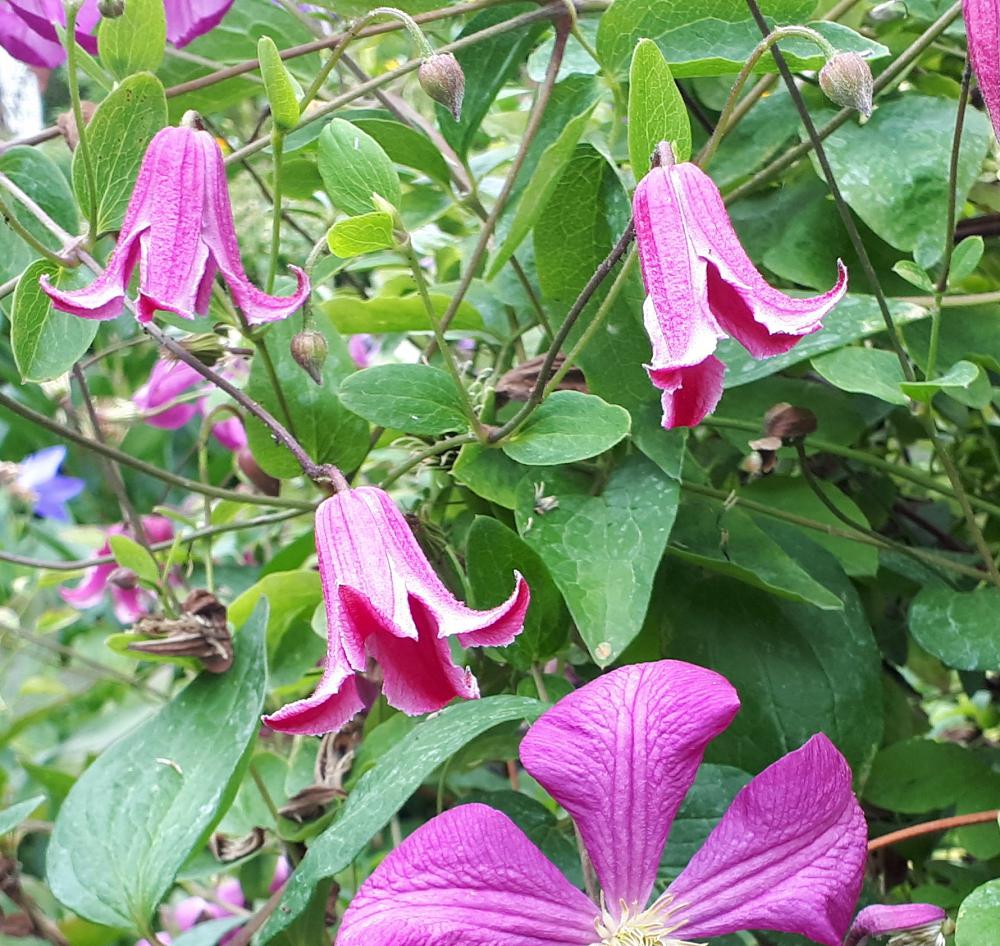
(441, 77)
(789, 423)
(282, 94)
(309, 349)
(267, 484)
(124, 578)
(846, 80)
(111, 9)
(205, 346)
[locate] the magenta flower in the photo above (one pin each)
(24, 44)
(702, 287)
(619, 755)
(179, 229)
(982, 26)
(911, 924)
(168, 381)
(129, 600)
(384, 601)
(36, 480)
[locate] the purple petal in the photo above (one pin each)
(469, 877)
(129, 604)
(53, 496)
(43, 15)
(231, 434)
(40, 467)
(334, 701)
(788, 855)
(982, 24)
(90, 591)
(620, 754)
(23, 43)
(167, 381)
(189, 912)
(882, 920)
(189, 19)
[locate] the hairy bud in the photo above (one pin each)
(309, 349)
(441, 77)
(846, 80)
(205, 346)
(111, 9)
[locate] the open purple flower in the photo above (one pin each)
(982, 26)
(179, 229)
(24, 44)
(909, 924)
(619, 755)
(702, 287)
(37, 481)
(384, 602)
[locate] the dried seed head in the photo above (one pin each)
(226, 848)
(309, 349)
(201, 631)
(846, 80)
(789, 423)
(441, 77)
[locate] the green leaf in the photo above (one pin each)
(320, 422)
(965, 258)
(385, 788)
(568, 426)
(729, 542)
(351, 315)
(119, 133)
(208, 932)
(166, 782)
(11, 817)
(798, 670)
(540, 188)
(904, 202)
(416, 399)
(656, 111)
(135, 41)
(353, 167)
(915, 275)
(131, 555)
(493, 553)
(45, 341)
(366, 233)
(958, 627)
(602, 551)
(863, 371)
(964, 381)
(979, 916)
(406, 146)
(489, 473)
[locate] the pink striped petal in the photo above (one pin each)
(884, 920)
(982, 25)
(189, 19)
(334, 701)
(620, 755)
(788, 855)
(468, 877)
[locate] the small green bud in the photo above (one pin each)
(441, 77)
(279, 85)
(207, 347)
(846, 80)
(111, 9)
(309, 349)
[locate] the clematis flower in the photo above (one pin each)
(37, 481)
(982, 26)
(179, 228)
(702, 287)
(908, 924)
(129, 600)
(24, 44)
(619, 754)
(168, 381)
(384, 601)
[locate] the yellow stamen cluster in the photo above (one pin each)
(635, 927)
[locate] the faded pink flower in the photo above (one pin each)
(129, 600)
(384, 602)
(982, 26)
(179, 229)
(703, 287)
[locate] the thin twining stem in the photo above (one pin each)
(932, 827)
(83, 143)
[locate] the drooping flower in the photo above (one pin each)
(168, 381)
(702, 286)
(982, 26)
(908, 924)
(179, 229)
(384, 601)
(619, 755)
(130, 601)
(37, 481)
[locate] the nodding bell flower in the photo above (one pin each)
(384, 602)
(179, 229)
(906, 924)
(702, 286)
(982, 26)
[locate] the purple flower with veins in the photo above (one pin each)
(619, 755)
(179, 229)
(906, 924)
(702, 287)
(37, 481)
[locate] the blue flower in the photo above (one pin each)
(39, 483)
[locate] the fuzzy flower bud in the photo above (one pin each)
(309, 349)
(846, 80)
(441, 77)
(207, 347)
(111, 9)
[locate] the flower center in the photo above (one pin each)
(634, 927)
(929, 935)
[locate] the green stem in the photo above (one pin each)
(536, 676)
(277, 148)
(435, 449)
(40, 248)
(83, 145)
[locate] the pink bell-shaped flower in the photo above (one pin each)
(384, 601)
(179, 229)
(702, 287)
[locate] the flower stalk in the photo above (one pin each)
(73, 83)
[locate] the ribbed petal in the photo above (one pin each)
(334, 701)
(90, 591)
(761, 318)
(189, 19)
(43, 15)
(167, 381)
(469, 877)
(982, 24)
(220, 237)
(620, 755)
(24, 44)
(882, 920)
(788, 855)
